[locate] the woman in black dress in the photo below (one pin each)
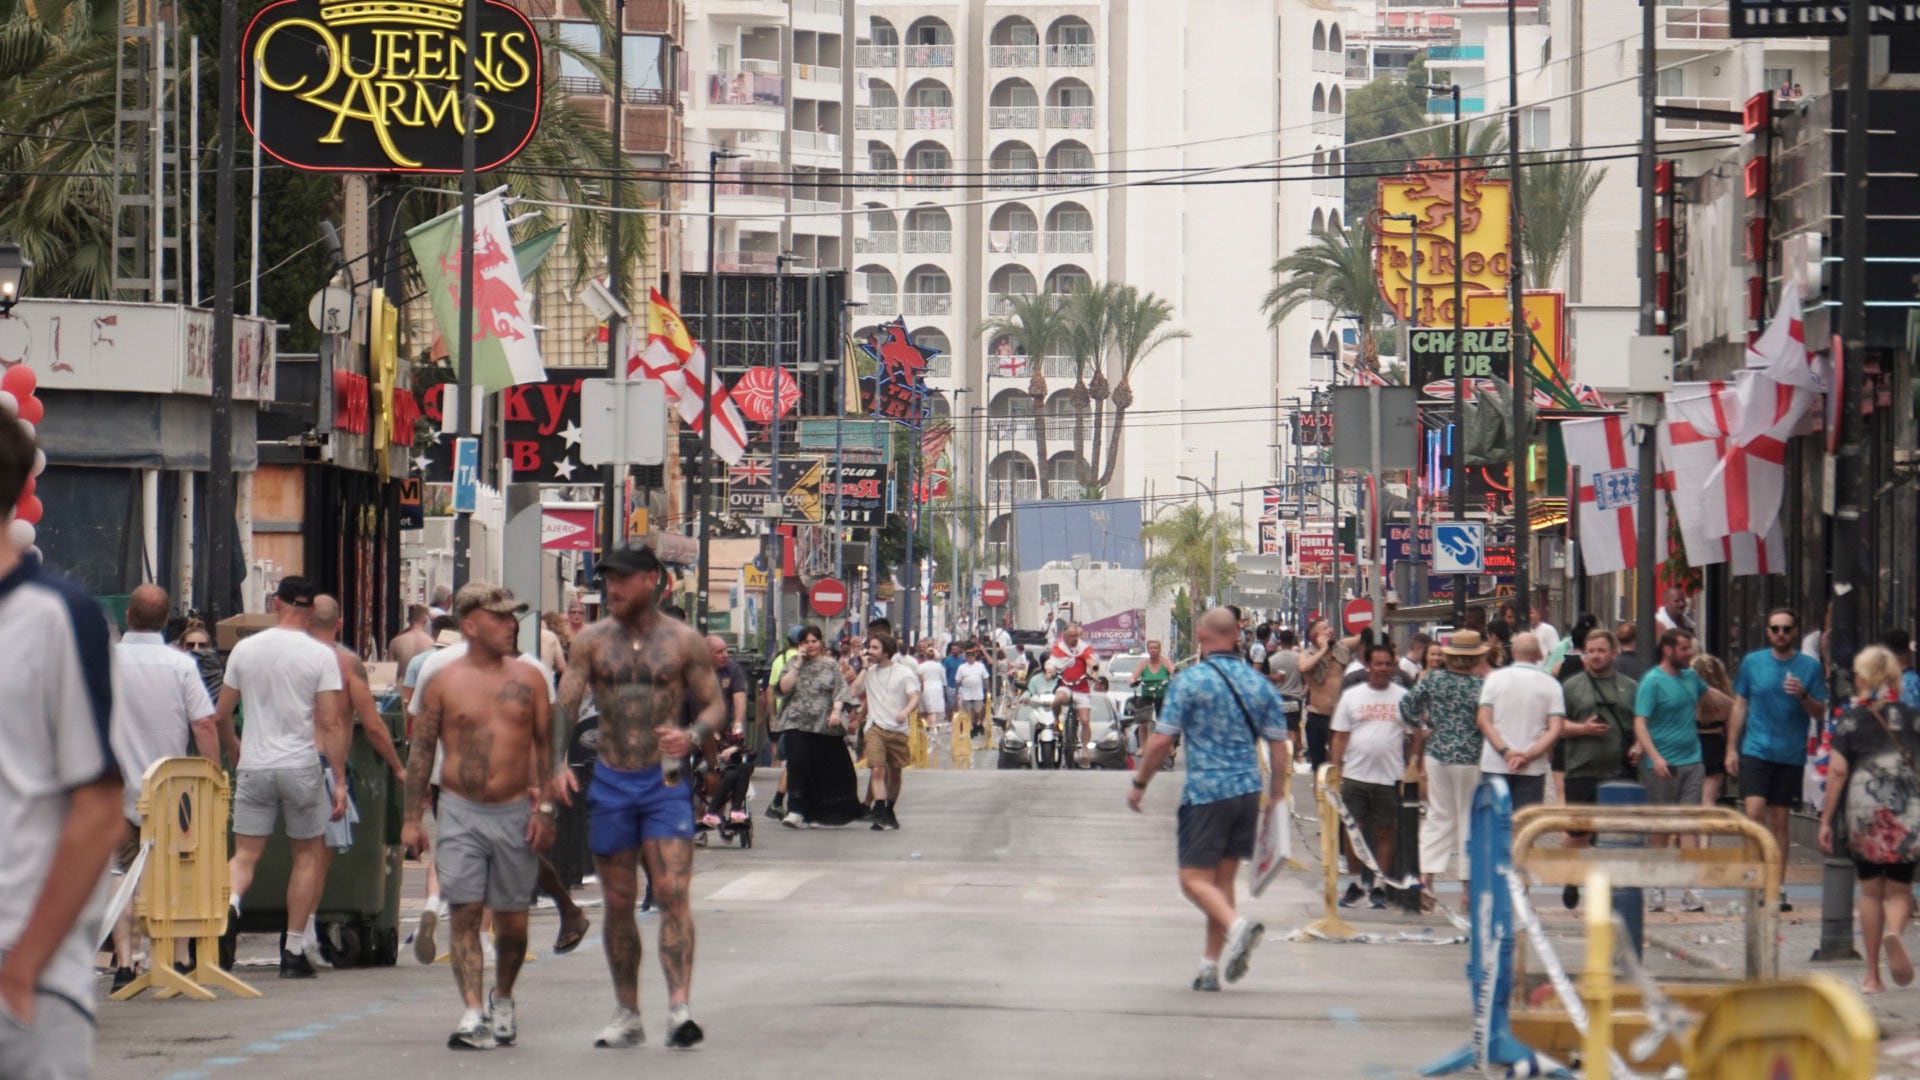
(821, 786)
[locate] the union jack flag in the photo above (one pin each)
(1270, 500)
(751, 472)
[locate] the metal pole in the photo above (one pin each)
(1650, 527)
(613, 526)
(780, 262)
(709, 321)
(1850, 479)
(193, 177)
(839, 443)
(220, 493)
(253, 263)
(1457, 486)
(1519, 343)
(1375, 535)
(469, 423)
(1299, 516)
(911, 579)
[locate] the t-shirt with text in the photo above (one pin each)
(1376, 739)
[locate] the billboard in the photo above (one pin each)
(1419, 252)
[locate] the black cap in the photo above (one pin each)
(297, 591)
(630, 559)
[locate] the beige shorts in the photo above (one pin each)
(886, 748)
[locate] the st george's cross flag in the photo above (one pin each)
(1693, 438)
(1781, 352)
(1608, 506)
(1751, 478)
(673, 358)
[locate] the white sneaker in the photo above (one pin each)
(500, 1013)
(1691, 900)
(794, 821)
(1656, 899)
(1241, 941)
(621, 1032)
(487, 956)
(472, 1034)
(423, 950)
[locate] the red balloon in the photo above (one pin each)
(31, 410)
(28, 509)
(19, 381)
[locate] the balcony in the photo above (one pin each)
(1070, 116)
(875, 118)
(1015, 180)
(1069, 56)
(1010, 491)
(1451, 54)
(1008, 242)
(1013, 117)
(817, 73)
(1326, 62)
(1444, 106)
(928, 56)
(882, 304)
(940, 367)
(930, 178)
(825, 141)
(1359, 72)
(1685, 25)
(1057, 367)
(1068, 178)
(817, 207)
(876, 56)
(1074, 242)
(923, 303)
(926, 241)
(929, 118)
(876, 243)
(1013, 56)
(745, 262)
(1011, 432)
(1001, 304)
(818, 7)
(745, 86)
(1325, 123)
(1330, 186)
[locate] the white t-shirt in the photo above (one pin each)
(162, 696)
(1523, 697)
(971, 680)
(1410, 669)
(887, 688)
(933, 687)
(1548, 637)
(1376, 736)
(279, 672)
(1256, 652)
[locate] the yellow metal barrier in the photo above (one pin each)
(1596, 980)
(1814, 1027)
(1330, 925)
(183, 893)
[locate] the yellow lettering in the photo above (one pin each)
(394, 53)
(426, 114)
(331, 49)
(432, 57)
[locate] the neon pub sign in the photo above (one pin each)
(374, 85)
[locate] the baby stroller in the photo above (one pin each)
(722, 803)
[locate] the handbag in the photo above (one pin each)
(1273, 844)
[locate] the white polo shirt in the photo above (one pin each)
(279, 673)
(161, 697)
(56, 726)
(887, 688)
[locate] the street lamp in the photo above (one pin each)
(1213, 530)
(1457, 455)
(709, 320)
(14, 265)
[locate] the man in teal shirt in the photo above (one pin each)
(1668, 737)
(1777, 695)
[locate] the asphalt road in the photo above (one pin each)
(1018, 925)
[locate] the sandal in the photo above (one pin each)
(571, 936)
(709, 821)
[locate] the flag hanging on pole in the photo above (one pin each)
(850, 379)
(1694, 438)
(1781, 352)
(1751, 479)
(674, 359)
(1609, 496)
(505, 348)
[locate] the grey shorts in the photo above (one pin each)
(482, 853)
(1210, 833)
(298, 796)
(59, 1045)
(1680, 789)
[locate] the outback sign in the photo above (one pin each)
(374, 85)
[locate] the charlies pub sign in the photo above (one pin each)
(374, 85)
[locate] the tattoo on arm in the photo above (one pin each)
(703, 688)
(426, 737)
(573, 692)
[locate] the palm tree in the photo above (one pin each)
(1183, 549)
(1037, 324)
(1482, 144)
(1555, 196)
(1090, 330)
(1336, 268)
(1139, 327)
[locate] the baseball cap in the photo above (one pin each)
(297, 591)
(448, 639)
(480, 596)
(630, 559)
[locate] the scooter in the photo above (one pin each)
(1138, 723)
(1049, 737)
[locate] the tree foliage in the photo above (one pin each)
(1182, 547)
(1335, 268)
(1386, 106)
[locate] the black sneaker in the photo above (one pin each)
(1785, 905)
(1377, 899)
(1354, 895)
(1570, 897)
(122, 977)
(295, 965)
(890, 820)
(870, 813)
(230, 940)
(777, 809)
(685, 1035)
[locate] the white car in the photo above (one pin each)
(1121, 671)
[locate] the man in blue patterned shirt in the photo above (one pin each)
(1218, 705)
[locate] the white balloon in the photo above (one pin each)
(22, 533)
(39, 461)
(9, 405)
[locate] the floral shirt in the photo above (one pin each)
(1222, 756)
(1883, 794)
(808, 707)
(1444, 703)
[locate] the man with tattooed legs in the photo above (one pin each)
(642, 668)
(489, 710)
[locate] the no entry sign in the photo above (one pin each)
(993, 593)
(1357, 615)
(828, 597)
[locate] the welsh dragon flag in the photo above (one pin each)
(506, 349)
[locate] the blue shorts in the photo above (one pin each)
(625, 809)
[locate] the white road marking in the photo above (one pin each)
(765, 885)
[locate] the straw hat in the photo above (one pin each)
(1466, 643)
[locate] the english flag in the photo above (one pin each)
(1609, 496)
(1751, 478)
(1694, 438)
(674, 359)
(1781, 352)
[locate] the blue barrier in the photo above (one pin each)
(1628, 902)
(1489, 852)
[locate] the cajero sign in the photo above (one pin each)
(374, 85)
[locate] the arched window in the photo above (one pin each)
(1009, 281)
(1069, 230)
(1319, 99)
(928, 230)
(1069, 42)
(1013, 106)
(929, 31)
(880, 159)
(1013, 229)
(1319, 36)
(1070, 164)
(1336, 102)
(881, 94)
(928, 292)
(1014, 165)
(1070, 105)
(1069, 279)
(1334, 42)
(929, 165)
(1014, 43)
(883, 33)
(1014, 30)
(1319, 221)
(929, 94)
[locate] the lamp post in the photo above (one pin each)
(1213, 524)
(14, 265)
(776, 504)
(839, 438)
(709, 320)
(1457, 450)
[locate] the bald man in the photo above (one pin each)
(1521, 711)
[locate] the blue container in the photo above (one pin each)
(1627, 900)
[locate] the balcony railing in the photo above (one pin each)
(1359, 72)
(1001, 303)
(1012, 242)
(1720, 104)
(882, 304)
(1328, 185)
(929, 178)
(876, 118)
(876, 56)
(1066, 178)
(1008, 491)
(751, 262)
(819, 7)
(1013, 56)
(1074, 242)
(926, 241)
(940, 367)
(1446, 53)
(1015, 179)
(1070, 116)
(1015, 117)
(1012, 431)
(816, 140)
(1057, 367)
(816, 207)
(876, 243)
(928, 56)
(929, 117)
(924, 303)
(1326, 123)
(817, 73)
(746, 87)
(1069, 56)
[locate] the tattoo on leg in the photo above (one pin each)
(671, 864)
(619, 882)
(469, 965)
(510, 950)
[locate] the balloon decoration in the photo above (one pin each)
(20, 404)
(754, 393)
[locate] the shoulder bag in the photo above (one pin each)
(1273, 845)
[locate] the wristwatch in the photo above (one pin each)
(546, 807)
(1139, 784)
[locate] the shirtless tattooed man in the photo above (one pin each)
(641, 666)
(489, 710)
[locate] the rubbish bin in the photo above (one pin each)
(359, 911)
(1406, 844)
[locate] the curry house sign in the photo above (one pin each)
(374, 85)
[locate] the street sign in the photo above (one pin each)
(1357, 615)
(828, 597)
(1354, 434)
(1313, 427)
(567, 526)
(412, 505)
(1269, 537)
(993, 593)
(753, 577)
(466, 475)
(811, 490)
(1459, 547)
(612, 409)
(821, 436)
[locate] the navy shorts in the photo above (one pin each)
(1778, 784)
(1210, 833)
(626, 809)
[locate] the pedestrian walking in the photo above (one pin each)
(891, 691)
(1521, 710)
(1666, 729)
(412, 641)
(1875, 743)
(821, 786)
(1323, 663)
(933, 706)
(970, 687)
(1778, 694)
(1442, 709)
(1597, 733)
(640, 666)
(1222, 709)
(489, 711)
(294, 699)
(1712, 723)
(1370, 750)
